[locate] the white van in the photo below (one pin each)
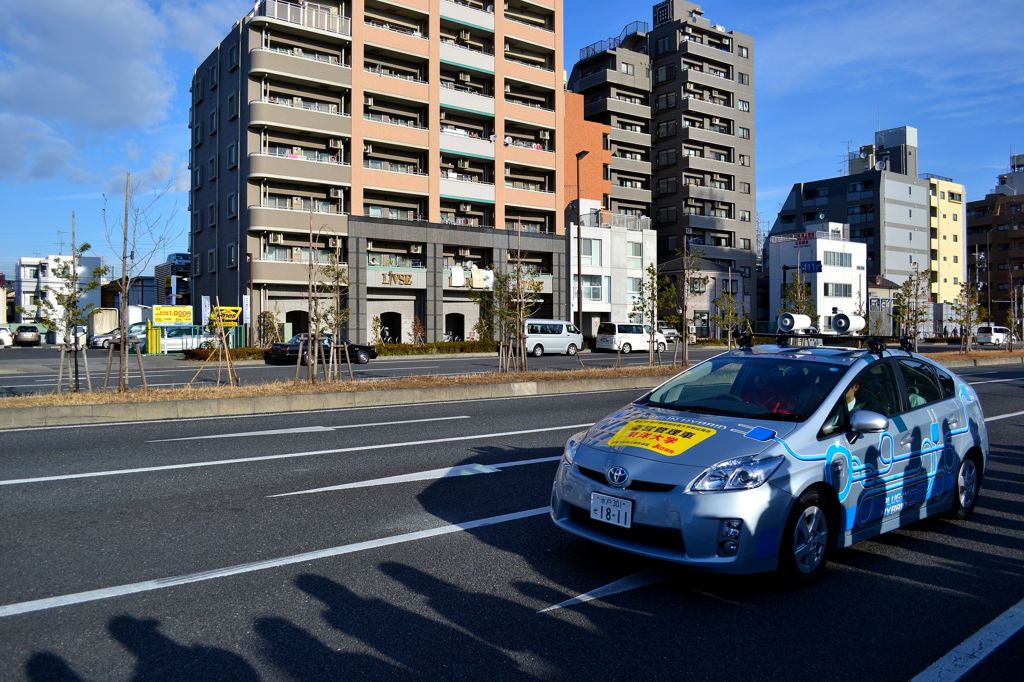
(992, 335)
(552, 336)
(626, 337)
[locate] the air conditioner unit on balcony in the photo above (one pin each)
(368, 100)
(508, 88)
(464, 76)
(465, 208)
(545, 134)
(464, 252)
(297, 203)
(416, 248)
(465, 35)
(508, 171)
(367, 148)
(462, 163)
(297, 253)
(297, 150)
(444, 114)
(275, 238)
(296, 101)
(332, 243)
(334, 143)
(508, 48)
(337, 193)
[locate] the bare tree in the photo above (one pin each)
(504, 310)
(144, 233)
(728, 312)
(691, 282)
(966, 314)
(911, 300)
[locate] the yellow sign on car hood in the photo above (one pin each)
(664, 437)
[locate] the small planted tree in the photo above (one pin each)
(912, 302)
(514, 298)
(966, 314)
(729, 314)
(798, 299)
(690, 283)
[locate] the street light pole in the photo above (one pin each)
(580, 155)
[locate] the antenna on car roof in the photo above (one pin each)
(746, 340)
(782, 340)
(906, 344)
(876, 345)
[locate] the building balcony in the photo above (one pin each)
(704, 106)
(262, 218)
(630, 137)
(471, 59)
(465, 99)
(711, 136)
(706, 193)
(707, 79)
(470, 16)
(304, 66)
(705, 164)
(609, 219)
(456, 141)
(460, 187)
(529, 198)
(631, 194)
(699, 49)
(385, 128)
(318, 20)
(393, 179)
(396, 38)
(529, 32)
(707, 222)
(530, 155)
(617, 105)
(326, 170)
(631, 165)
(280, 272)
(284, 112)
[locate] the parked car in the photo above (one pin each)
(670, 332)
(626, 337)
(136, 335)
(551, 336)
(769, 458)
(288, 352)
(6, 337)
(989, 335)
(27, 335)
(178, 339)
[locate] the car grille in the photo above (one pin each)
(653, 536)
(641, 486)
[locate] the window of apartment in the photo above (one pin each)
(627, 68)
(666, 186)
(197, 179)
(197, 265)
(663, 45)
(665, 100)
(213, 77)
(211, 260)
(664, 73)
(743, 105)
(212, 166)
(666, 129)
(745, 216)
(743, 78)
(592, 290)
(956, 259)
(956, 280)
(698, 285)
(233, 205)
(666, 157)
(744, 188)
(233, 106)
(232, 155)
(592, 252)
(745, 133)
(213, 122)
(744, 160)
(745, 244)
(839, 290)
(211, 215)
(956, 218)
(838, 259)
(233, 58)
(956, 196)
(942, 194)
(634, 287)
(606, 172)
(635, 255)
(956, 238)
(666, 215)
(197, 224)
(232, 254)
(743, 51)
(606, 141)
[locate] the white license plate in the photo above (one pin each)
(613, 510)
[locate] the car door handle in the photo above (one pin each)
(907, 441)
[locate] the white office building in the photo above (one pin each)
(617, 249)
(834, 267)
(35, 280)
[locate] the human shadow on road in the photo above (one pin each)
(44, 665)
(301, 656)
(161, 658)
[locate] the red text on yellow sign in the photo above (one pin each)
(665, 438)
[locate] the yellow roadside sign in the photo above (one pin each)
(229, 316)
(172, 315)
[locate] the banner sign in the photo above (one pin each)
(229, 316)
(172, 316)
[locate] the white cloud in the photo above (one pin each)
(95, 65)
(197, 27)
(33, 150)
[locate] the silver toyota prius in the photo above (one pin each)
(767, 458)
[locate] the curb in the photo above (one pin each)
(28, 417)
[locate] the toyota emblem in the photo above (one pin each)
(618, 477)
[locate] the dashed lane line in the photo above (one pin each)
(973, 650)
(310, 429)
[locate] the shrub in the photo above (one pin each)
(437, 348)
(236, 353)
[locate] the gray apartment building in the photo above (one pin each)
(614, 77)
(882, 199)
(419, 142)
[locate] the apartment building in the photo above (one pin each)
(613, 76)
(35, 280)
(948, 237)
(703, 138)
(882, 199)
(995, 241)
(418, 142)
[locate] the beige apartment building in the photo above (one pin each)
(948, 237)
(419, 140)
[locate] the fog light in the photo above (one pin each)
(729, 531)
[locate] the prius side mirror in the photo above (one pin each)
(866, 421)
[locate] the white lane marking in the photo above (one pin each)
(973, 650)
(308, 429)
(290, 455)
(632, 582)
(470, 469)
(1004, 416)
(992, 381)
(160, 583)
(332, 410)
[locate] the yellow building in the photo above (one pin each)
(948, 237)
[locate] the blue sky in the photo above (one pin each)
(91, 90)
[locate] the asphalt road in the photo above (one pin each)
(179, 550)
(25, 371)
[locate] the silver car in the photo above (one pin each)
(768, 458)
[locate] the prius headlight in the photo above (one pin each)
(742, 473)
(571, 446)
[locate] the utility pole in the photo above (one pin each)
(123, 326)
(580, 155)
(74, 289)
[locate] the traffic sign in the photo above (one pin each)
(809, 266)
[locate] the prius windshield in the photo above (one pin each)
(753, 387)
